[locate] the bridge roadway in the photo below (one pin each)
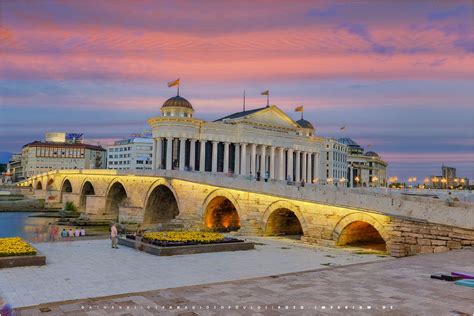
(321, 214)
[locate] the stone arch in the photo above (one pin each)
(66, 186)
(86, 189)
(49, 186)
(115, 197)
(161, 203)
(284, 218)
(39, 185)
(221, 211)
(362, 230)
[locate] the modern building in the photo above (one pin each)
(15, 168)
(364, 169)
(447, 180)
(56, 153)
(130, 154)
(263, 143)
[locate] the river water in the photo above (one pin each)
(36, 229)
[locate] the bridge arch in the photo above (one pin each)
(49, 185)
(87, 188)
(161, 203)
(221, 211)
(283, 218)
(39, 185)
(115, 197)
(360, 229)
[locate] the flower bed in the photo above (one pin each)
(172, 239)
(15, 246)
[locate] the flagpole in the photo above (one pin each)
(268, 99)
(178, 90)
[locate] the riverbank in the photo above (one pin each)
(23, 204)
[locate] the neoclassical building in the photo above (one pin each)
(364, 169)
(264, 143)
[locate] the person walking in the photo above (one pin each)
(113, 235)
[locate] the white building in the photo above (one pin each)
(130, 154)
(262, 143)
(38, 157)
(364, 169)
(334, 162)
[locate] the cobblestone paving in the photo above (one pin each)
(392, 287)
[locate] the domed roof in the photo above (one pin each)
(371, 154)
(304, 124)
(348, 141)
(177, 101)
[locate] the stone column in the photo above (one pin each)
(298, 166)
(153, 155)
(226, 158)
(202, 157)
(243, 159)
(237, 159)
(281, 163)
(182, 153)
(351, 170)
(272, 162)
(263, 162)
(159, 148)
(303, 167)
(309, 175)
(214, 156)
(253, 155)
(192, 155)
(169, 153)
(289, 172)
(317, 164)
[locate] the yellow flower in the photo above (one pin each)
(15, 246)
(186, 236)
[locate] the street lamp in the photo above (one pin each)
(444, 181)
(357, 179)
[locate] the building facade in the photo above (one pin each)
(38, 157)
(364, 169)
(334, 162)
(263, 143)
(130, 154)
(15, 168)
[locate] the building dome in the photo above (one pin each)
(177, 102)
(354, 148)
(304, 124)
(371, 154)
(348, 141)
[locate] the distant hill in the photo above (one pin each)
(5, 156)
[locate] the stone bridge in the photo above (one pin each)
(329, 216)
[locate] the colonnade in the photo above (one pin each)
(256, 160)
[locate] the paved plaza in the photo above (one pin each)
(90, 268)
(390, 287)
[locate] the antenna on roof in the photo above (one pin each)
(244, 100)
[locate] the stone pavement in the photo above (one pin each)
(82, 269)
(390, 287)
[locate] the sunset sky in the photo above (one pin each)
(398, 74)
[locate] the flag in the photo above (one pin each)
(173, 83)
(343, 127)
(267, 92)
(299, 108)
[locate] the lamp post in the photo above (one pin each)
(357, 179)
(444, 182)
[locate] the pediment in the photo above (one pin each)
(271, 116)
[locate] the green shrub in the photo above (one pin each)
(70, 207)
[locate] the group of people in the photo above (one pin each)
(77, 232)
